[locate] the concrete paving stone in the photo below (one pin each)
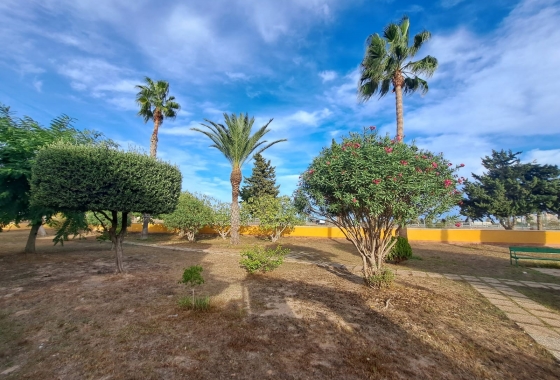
(556, 354)
(537, 286)
(532, 306)
(452, 276)
(513, 309)
(512, 293)
(539, 330)
(470, 278)
(545, 314)
(494, 296)
(524, 319)
(490, 279)
(513, 283)
(551, 343)
(551, 322)
(418, 274)
(500, 303)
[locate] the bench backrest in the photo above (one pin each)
(535, 249)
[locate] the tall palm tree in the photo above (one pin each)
(156, 104)
(236, 143)
(387, 62)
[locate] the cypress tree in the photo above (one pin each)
(262, 180)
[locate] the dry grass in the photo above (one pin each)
(65, 315)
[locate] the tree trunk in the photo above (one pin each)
(235, 180)
(539, 221)
(117, 248)
(30, 246)
(117, 239)
(158, 118)
(398, 81)
(145, 223)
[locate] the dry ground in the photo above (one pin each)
(64, 314)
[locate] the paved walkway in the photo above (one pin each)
(541, 323)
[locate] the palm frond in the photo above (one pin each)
(419, 40)
(414, 84)
(426, 66)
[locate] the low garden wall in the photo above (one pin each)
(473, 236)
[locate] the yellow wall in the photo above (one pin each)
(414, 234)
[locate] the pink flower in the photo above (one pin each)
(462, 165)
(328, 162)
(400, 174)
(372, 128)
(398, 138)
(460, 203)
(424, 157)
(458, 224)
(449, 164)
(357, 145)
(376, 181)
(312, 171)
(403, 162)
(434, 165)
(354, 200)
(437, 173)
(447, 183)
(388, 149)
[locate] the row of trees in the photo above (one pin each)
(510, 189)
(273, 215)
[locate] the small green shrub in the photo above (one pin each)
(260, 259)
(401, 251)
(196, 303)
(192, 276)
(384, 279)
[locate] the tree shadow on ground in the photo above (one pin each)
(337, 334)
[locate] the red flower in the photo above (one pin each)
(434, 165)
(388, 149)
(462, 165)
(449, 164)
(376, 181)
(399, 138)
(403, 162)
(354, 200)
(312, 171)
(371, 128)
(458, 224)
(328, 162)
(424, 157)
(447, 183)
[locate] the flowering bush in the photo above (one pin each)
(367, 185)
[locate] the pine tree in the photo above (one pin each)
(262, 180)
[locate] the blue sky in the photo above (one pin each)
(292, 60)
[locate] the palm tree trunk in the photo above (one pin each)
(153, 153)
(400, 116)
(235, 180)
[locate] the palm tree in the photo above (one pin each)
(385, 64)
(155, 104)
(236, 143)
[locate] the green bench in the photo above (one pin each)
(539, 253)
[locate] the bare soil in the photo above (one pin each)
(65, 315)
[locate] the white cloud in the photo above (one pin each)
(550, 156)
(38, 84)
(327, 75)
(450, 3)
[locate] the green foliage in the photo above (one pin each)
(237, 144)
(401, 250)
(192, 276)
(510, 189)
(154, 100)
(100, 220)
(387, 60)
(196, 303)
(262, 259)
(262, 180)
(20, 140)
(221, 216)
(367, 185)
(70, 223)
(95, 178)
(84, 178)
(192, 213)
(382, 279)
(275, 215)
